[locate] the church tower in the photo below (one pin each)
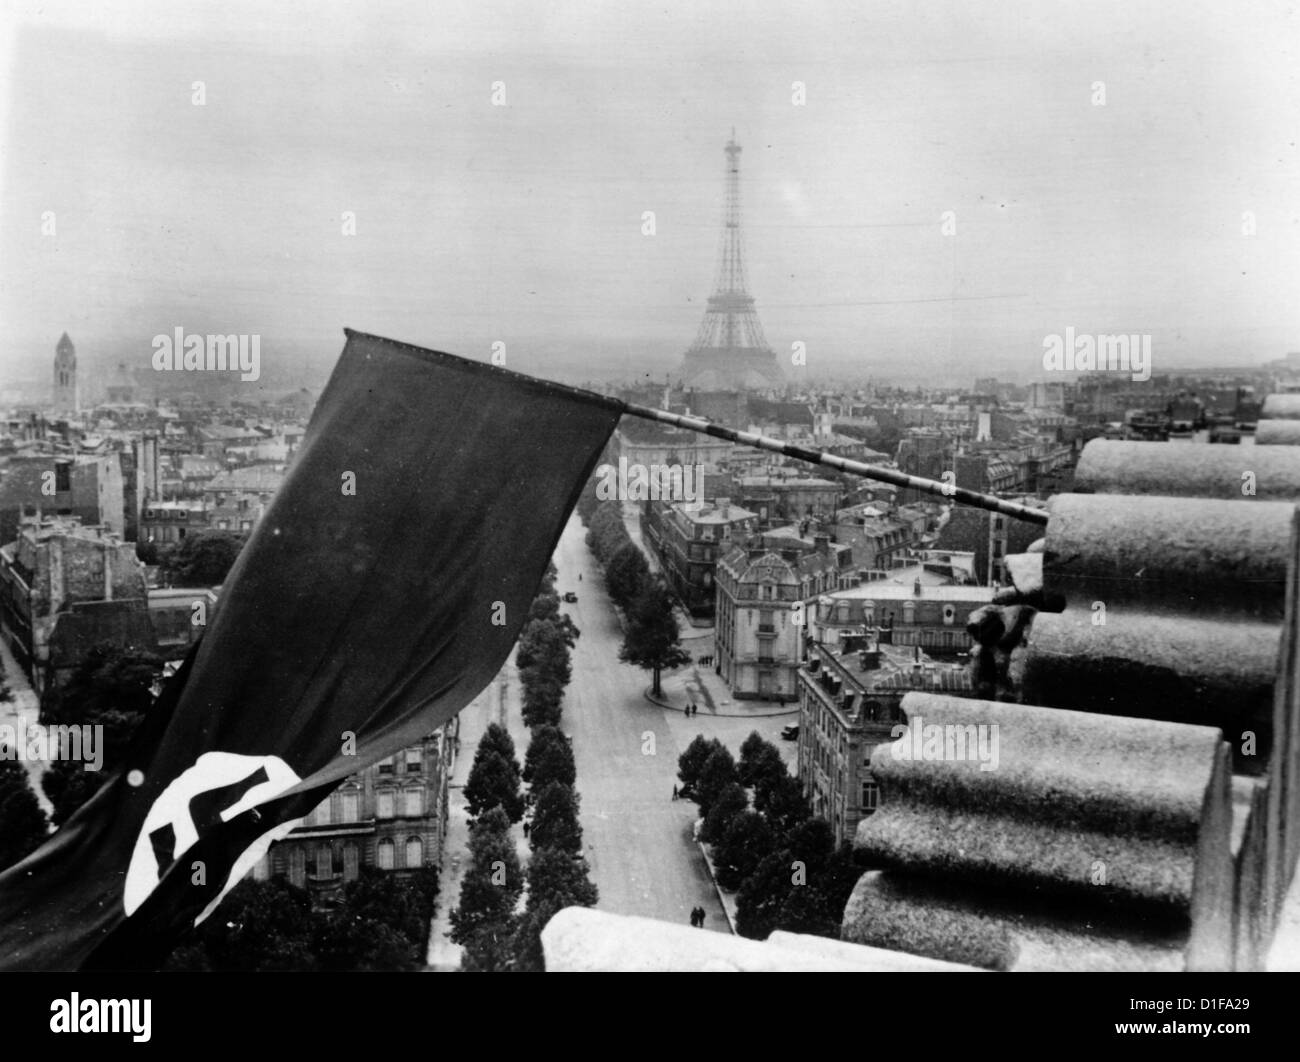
(67, 398)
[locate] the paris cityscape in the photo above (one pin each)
(930, 606)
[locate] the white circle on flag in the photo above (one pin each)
(220, 786)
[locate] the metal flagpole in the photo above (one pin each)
(857, 468)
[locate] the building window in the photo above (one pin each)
(351, 862)
(414, 853)
(870, 797)
(62, 477)
(386, 765)
(414, 802)
(323, 810)
(414, 761)
(351, 806)
(323, 861)
(384, 854)
(384, 804)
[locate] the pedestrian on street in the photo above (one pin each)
(674, 792)
(692, 916)
(525, 831)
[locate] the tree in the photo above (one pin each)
(403, 904)
(542, 736)
(746, 842)
(496, 738)
(607, 534)
(202, 559)
(345, 942)
(652, 641)
(763, 894)
(818, 909)
(759, 759)
(22, 822)
(544, 609)
(109, 688)
(555, 880)
(626, 573)
(491, 886)
(493, 783)
(781, 802)
(812, 842)
(691, 762)
(261, 926)
(730, 802)
(491, 947)
(382, 923)
(546, 588)
(588, 501)
(555, 819)
(549, 759)
(719, 771)
(546, 643)
(543, 693)
(108, 679)
(561, 879)
(749, 748)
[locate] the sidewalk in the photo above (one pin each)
(727, 899)
(499, 703)
(703, 687)
(20, 711)
(688, 627)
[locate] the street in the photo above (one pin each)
(637, 839)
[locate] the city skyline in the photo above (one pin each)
(868, 138)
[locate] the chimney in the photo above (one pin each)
(822, 543)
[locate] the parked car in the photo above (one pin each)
(790, 731)
(570, 596)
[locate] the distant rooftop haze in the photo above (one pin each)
(926, 192)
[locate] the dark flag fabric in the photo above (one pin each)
(380, 592)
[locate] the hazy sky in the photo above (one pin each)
(523, 223)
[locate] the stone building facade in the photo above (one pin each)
(759, 635)
(391, 816)
(850, 691)
(65, 588)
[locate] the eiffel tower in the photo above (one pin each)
(729, 352)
